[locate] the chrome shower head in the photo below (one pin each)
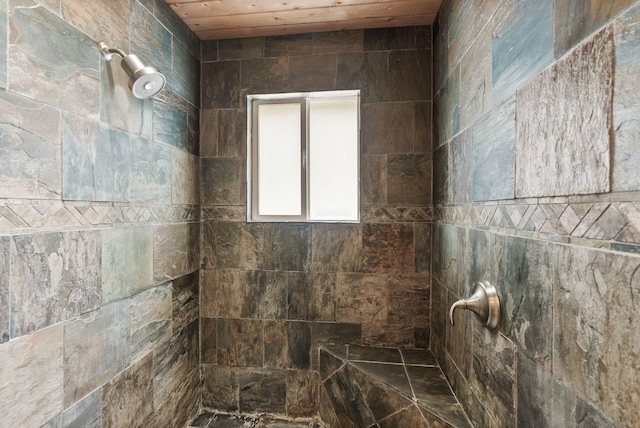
(145, 81)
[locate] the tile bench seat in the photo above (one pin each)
(385, 388)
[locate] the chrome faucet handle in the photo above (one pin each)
(484, 302)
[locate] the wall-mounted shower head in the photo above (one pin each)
(145, 81)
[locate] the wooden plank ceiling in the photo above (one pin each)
(230, 19)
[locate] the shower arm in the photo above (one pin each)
(108, 52)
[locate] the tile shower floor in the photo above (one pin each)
(221, 420)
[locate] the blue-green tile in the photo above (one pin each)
(150, 40)
(3, 44)
(186, 74)
(522, 44)
(170, 119)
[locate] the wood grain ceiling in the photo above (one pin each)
(230, 19)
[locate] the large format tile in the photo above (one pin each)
(150, 40)
(55, 276)
(151, 172)
(366, 71)
(626, 102)
(150, 320)
(347, 400)
(302, 393)
(222, 181)
(240, 342)
(52, 61)
(30, 153)
(220, 387)
(263, 390)
(311, 296)
(388, 248)
(336, 248)
(185, 178)
(287, 247)
(31, 378)
(221, 84)
(170, 119)
(104, 21)
(408, 179)
(552, 131)
(175, 250)
(96, 348)
(232, 245)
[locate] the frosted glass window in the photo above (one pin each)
(303, 157)
(333, 159)
(279, 154)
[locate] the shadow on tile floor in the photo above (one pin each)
(221, 420)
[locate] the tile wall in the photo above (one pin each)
(99, 206)
(537, 189)
(270, 292)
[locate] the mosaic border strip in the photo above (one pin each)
(614, 225)
(43, 215)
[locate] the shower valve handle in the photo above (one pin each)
(484, 302)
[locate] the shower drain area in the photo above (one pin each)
(385, 388)
(208, 419)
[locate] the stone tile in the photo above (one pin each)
(221, 291)
(373, 180)
(185, 301)
(464, 23)
(185, 184)
(54, 277)
(423, 128)
(365, 71)
(97, 347)
(516, 58)
(409, 300)
(151, 313)
(299, 340)
(445, 261)
(389, 38)
(49, 60)
(418, 357)
(312, 73)
(461, 175)
(209, 50)
(336, 333)
(208, 341)
(151, 172)
(289, 45)
(577, 20)
(181, 32)
(127, 262)
(86, 413)
(362, 298)
(269, 75)
(248, 48)
(410, 415)
(459, 336)
(410, 75)
(325, 409)
(336, 248)
(374, 354)
(96, 161)
(170, 119)
(185, 77)
(151, 40)
(386, 128)
(240, 342)
(593, 330)
(220, 84)
(626, 102)
(31, 373)
(220, 388)
(446, 112)
(176, 377)
(31, 161)
(263, 295)
(408, 179)
(263, 390)
(475, 79)
(128, 398)
(209, 133)
(388, 335)
(335, 42)
(524, 276)
(442, 175)
(493, 374)
(328, 362)
(222, 181)
(347, 400)
(5, 290)
(311, 296)
(232, 133)
(3, 44)
(608, 225)
(431, 388)
(423, 248)
(549, 141)
(387, 248)
(193, 128)
(175, 250)
(228, 245)
(381, 399)
(287, 247)
(276, 350)
(302, 393)
(494, 154)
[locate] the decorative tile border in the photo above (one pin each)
(396, 214)
(610, 224)
(46, 215)
(224, 212)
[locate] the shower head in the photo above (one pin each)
(145, 81)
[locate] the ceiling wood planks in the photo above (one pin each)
(226, 19)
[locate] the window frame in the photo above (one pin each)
(252, 183)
